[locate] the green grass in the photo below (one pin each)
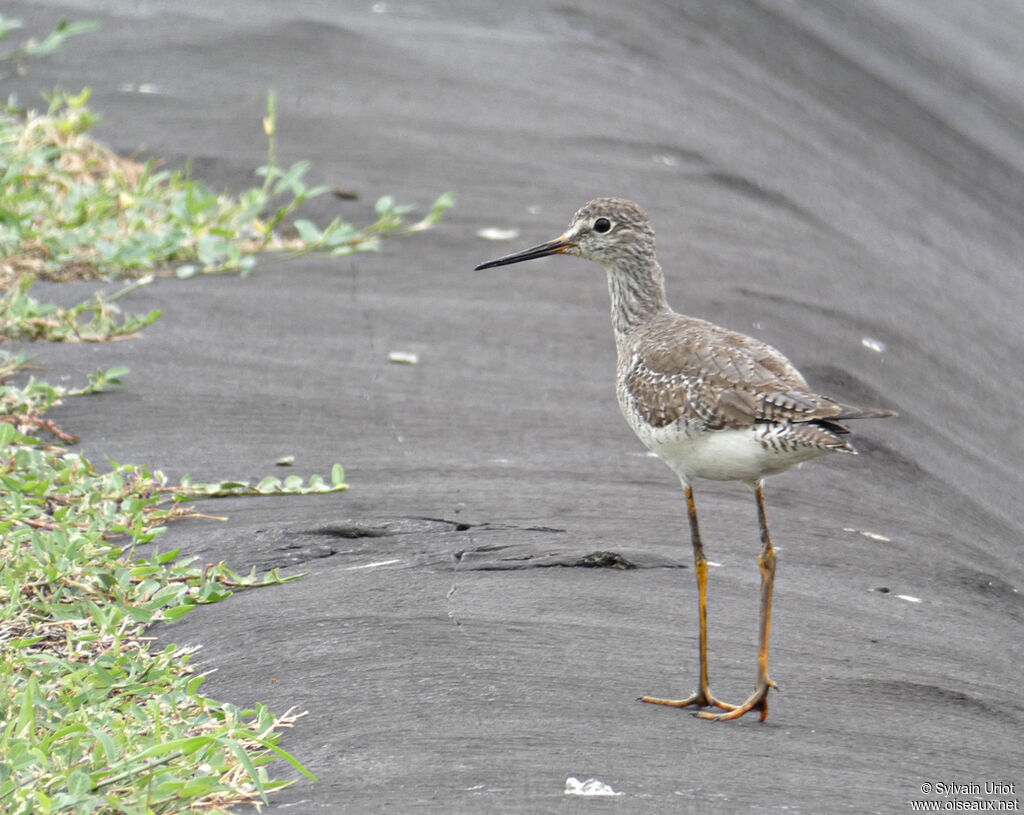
(11, 60)
(96, 319)
(72, 208)
(94, 719)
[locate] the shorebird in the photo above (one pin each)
(709, 402)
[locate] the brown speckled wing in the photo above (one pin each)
(683, 368)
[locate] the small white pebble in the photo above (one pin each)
(573, 786)
(373, 565)
(144, 87)
(908, 598)
(403, 357)
(873, 344)
(493, 233)
(869, 535)
(285, 461)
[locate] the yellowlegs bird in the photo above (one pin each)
(709, 402)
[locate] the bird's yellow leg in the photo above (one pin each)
(766, 561)
(702, 697)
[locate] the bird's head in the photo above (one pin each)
(606, 230)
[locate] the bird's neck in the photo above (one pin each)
(637, 294)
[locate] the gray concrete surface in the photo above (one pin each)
(819, 174)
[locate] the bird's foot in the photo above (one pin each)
(758, 701)
(701, 698)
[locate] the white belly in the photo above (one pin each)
(747, 454)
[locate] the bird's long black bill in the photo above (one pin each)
(555, 247)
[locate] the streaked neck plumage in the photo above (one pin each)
(636, 285)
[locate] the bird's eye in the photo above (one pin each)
(602, 225)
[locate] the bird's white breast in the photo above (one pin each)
(693, 451)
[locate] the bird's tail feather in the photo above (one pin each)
(853, 412)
